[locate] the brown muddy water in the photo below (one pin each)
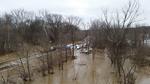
(143, 76)
(85, 70)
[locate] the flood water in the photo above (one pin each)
(143, 76)
(86, 70)
(83, 70)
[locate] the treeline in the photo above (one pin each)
(22, 27)
(135, 36)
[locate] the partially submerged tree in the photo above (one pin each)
(24, 65)
(114, 28)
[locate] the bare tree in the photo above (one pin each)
(73, 21)
(115, 28)
(24, 65)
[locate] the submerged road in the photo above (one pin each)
(83, 70)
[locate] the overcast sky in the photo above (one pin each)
(85, 9)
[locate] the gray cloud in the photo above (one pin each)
(83, 8)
